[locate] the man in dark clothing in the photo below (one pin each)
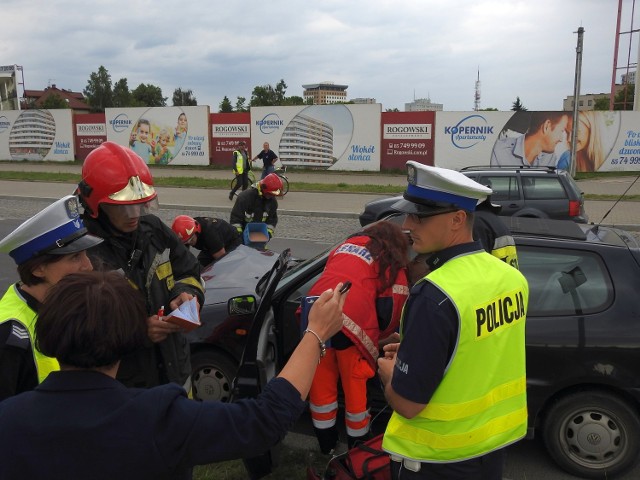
(269, 158)
(214, 237)
(117, 193)
(258, 204)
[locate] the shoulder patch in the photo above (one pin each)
(18, 336)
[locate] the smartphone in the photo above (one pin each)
(306, 303)
(345, 287)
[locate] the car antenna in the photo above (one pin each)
(595, 229)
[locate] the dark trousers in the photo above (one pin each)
(487, 467)
(242, 181)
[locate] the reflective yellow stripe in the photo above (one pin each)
(191, 281)
(490, 429)
(443, 411)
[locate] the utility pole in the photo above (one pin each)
(576, 95)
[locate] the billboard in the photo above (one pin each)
(406, 136)
(334, 137)
(227, 129)
(91, 131)
(605, 140)
(162, 135)
(38, 135)
(9, 88)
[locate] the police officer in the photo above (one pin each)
(117, 194)
(456, 381)
(214, 237)
(47, 247)
(493, 233)
(241, 167)
(258, 204)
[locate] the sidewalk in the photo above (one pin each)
(344, 205)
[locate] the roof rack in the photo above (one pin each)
(509, 167)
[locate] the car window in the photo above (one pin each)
(504, 187)
(565, 282)
(542, 188)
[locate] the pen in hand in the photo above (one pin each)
(161, 312)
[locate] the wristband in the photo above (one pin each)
(323, 347)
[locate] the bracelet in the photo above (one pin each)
(323, 347)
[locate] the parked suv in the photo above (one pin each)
(538, 192)
(582, 340)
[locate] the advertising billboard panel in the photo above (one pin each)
(9, 88)
(406, 136)
(162, 135)
(91, 131)
(38, 135)
(334, 137)
(227, 129)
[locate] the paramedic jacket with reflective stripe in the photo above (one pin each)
(164, 269)
(366, 300)
(15, 310)
(480, 404)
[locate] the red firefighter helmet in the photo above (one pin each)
(185, 227)
(271, 184)
(117, 175)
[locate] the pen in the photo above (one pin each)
(161, 311)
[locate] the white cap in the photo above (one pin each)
(435, 189)
(58, 230)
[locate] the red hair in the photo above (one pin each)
(388, 244)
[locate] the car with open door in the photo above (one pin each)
(583, 342)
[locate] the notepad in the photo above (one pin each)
(187, 315)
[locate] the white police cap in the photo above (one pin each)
(58, 230)
(433, 189)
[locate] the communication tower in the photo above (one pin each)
(476, 104)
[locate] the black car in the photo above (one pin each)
(583, 340)
(540, 192)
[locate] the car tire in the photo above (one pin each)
(212, 376)
(592, 434)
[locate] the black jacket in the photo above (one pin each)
(251, 206)
(161, 267)
(214, 235)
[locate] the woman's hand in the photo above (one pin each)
(325, 316)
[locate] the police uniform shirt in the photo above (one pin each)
(429, 333)
(18, 371)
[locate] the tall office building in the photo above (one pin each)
(325, 93)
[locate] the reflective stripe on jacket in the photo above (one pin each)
(480, 404)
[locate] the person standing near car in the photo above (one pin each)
(241, 167)
(258, 204)
(375, 262)
(457, 379)
(48, 246)
(214, 237)
(268, 158)
(117, 194)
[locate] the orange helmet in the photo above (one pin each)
(114, 174)
(185, 227)
(271, 184)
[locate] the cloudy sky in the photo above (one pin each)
(391, 50)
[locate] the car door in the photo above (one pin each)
(506, 192)
(259, 362)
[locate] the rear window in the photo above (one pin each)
(565, 282)
(542, 188)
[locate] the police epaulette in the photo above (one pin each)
(19, 336)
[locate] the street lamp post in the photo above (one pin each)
(576, 95)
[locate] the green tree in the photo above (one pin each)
(601, 103)
(392, 110)
(98, 92)
(240, 107)
(225, 105)
(623, 100)
(294, 100)
(147, 95)
(517, 106)
(490, 109)
(121, 95)
(53, 102)
(184, 98)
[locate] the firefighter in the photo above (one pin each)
(374, 261)
(457, 379)
(117, 194)
(258, 204)
(214, 237)
(47, 247)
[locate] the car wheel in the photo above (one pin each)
(212, 376)
(592, 434)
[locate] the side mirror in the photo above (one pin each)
(245, 305)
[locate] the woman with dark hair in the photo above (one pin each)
(46, 247)
(375, 262)
(82, 423)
